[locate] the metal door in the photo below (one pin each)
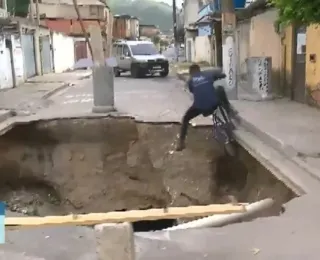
(6, 67)
(45, 51)
(80, 48)
(27, 43)
(299, 75)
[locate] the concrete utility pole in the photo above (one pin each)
(175, 34)
(31, 14)
(228, 24)
(102, 75)
(109, 35)
(37, 12)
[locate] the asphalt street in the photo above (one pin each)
(151, 99)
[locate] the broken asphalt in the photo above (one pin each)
(291, 236)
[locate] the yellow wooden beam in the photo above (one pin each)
(126, 216)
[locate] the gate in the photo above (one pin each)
(45, 51)
(27, 43)
(80, 49)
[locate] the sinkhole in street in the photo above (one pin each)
(113, 164)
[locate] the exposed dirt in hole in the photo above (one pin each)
(100, 165)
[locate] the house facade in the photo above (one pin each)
(125, 27)
(148, 30)
(61, 17)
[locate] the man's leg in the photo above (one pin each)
(189, 115)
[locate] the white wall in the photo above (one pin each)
(191, 8)
(190, 50)
(203, 49)
(63, 52)
(17, 59)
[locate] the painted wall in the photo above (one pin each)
(266, 42)
(17, 59)
(287, 59)
(121, 27)
(203, 49)
(134, 28)
(238, 4)
(313, 67)
(204, 30)
(63, 52)
(243, 48)
(207, 9)
(90, 12)
(191, 8)
(148, 31)
(70, 26)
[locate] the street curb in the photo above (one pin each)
(287, 150)
(267, 138)
(282, 167)
(6, 115)
(55, 90)
(62, 87)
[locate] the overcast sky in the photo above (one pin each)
(178, 2)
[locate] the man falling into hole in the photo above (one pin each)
(206, 99)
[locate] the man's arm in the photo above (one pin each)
(215, 74)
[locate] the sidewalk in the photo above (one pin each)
(283, 136)
(287, 126)
(31, 96)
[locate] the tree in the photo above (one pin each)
(298, 11)
(156, 39)
(164, 43)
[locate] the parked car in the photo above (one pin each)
(140, 58)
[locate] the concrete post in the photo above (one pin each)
(228, 24)
(102, 75)
(115, 241)
(110, 35)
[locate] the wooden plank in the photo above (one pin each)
(126, 216)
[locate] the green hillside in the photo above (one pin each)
(148, 11)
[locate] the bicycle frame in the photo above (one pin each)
(222, 127)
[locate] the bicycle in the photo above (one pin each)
(223, 130)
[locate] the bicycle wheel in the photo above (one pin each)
(222, 132)
(230, 149)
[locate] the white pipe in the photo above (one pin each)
(225, 219)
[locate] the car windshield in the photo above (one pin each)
(144, 49)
